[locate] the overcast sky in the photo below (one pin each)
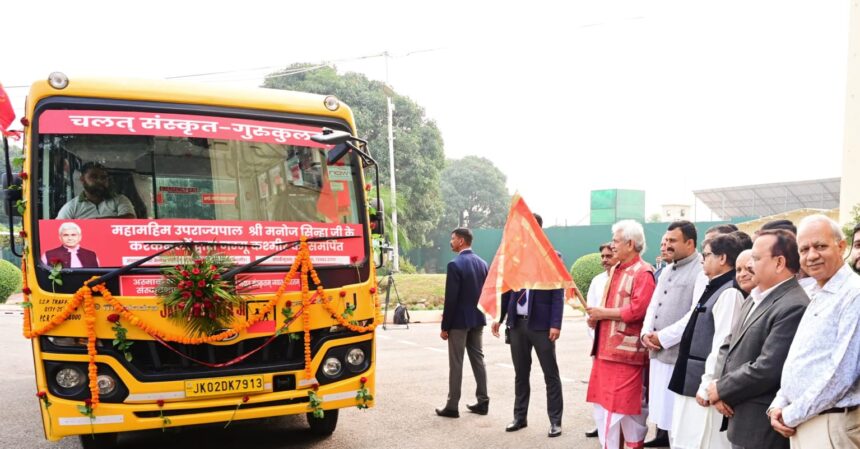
(563, 97)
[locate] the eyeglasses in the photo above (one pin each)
(706, 255)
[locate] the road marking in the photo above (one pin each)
(407, 342)
(436, 349)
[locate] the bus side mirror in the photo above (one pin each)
(11, 194)
(377, 218)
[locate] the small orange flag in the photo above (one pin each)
(7, 113)
(525, 259)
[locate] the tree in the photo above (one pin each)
(475, 188)
(655, 218)
(418, 146)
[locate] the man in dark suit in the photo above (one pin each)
(463, 323)
(534, 321)
(750, 362)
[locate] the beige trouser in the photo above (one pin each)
(829, 431)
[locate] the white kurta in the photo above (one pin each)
(595, 294)
(694, 426)
(661, 400)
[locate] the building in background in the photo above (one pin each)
(673, 212)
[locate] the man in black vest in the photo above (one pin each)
(709, 323)
(70, 253)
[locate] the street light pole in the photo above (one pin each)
(395, 261)
(389, 92)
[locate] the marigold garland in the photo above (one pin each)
(85, 295)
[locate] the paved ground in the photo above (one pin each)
(412, 367)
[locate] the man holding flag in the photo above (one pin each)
(534, 321)
(527, 264)
(615, 386)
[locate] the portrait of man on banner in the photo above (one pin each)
(70, 253)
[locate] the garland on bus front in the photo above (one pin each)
(84, 296)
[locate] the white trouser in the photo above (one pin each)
(610, 427)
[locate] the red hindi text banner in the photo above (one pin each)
(176, 125)
(119, 242)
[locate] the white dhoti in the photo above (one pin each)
(661, 400)
(696, 427)
(611, 426)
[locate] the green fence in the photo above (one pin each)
(572, 241)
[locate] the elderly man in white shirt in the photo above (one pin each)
(817, 403)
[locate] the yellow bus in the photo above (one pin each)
(193, 254)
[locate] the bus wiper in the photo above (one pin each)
(286, 245)
(189, 244)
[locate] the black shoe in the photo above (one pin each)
(660, 440)
(516, 425)
(591, 434)
(554, 430)
(481, 408)
(447, 413)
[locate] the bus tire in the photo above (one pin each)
(99, 440)
(323, 426)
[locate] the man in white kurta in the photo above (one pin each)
(672, 298)
(595, 295)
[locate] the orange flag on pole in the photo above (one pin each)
(525, 259)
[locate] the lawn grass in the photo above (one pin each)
(417, 291)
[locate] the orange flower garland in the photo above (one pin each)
(90, 320)
(84, 295)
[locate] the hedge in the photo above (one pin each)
(584, 270)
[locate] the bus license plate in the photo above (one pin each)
(223, 386)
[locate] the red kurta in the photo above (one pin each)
(617, 386)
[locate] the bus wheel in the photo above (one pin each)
(99, 440)
(323, 426)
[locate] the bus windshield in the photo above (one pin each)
(162, 177)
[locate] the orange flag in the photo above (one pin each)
(7, 114)
(525, 259)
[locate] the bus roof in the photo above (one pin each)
(184, 92)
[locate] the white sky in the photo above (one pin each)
(564, 97)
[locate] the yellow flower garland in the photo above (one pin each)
(84, 295)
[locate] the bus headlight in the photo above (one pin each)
(58, 80)
(70, 378)
(331, 103)
(355, 357)
(332, 367)
(107, 384)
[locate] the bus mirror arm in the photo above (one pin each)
(343, 142)
(11, 195)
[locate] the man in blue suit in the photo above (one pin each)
(463, 323)
(534, 321)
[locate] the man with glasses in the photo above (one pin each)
(817, 404)
(615, 385)
(750, 364)
(97, 200)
